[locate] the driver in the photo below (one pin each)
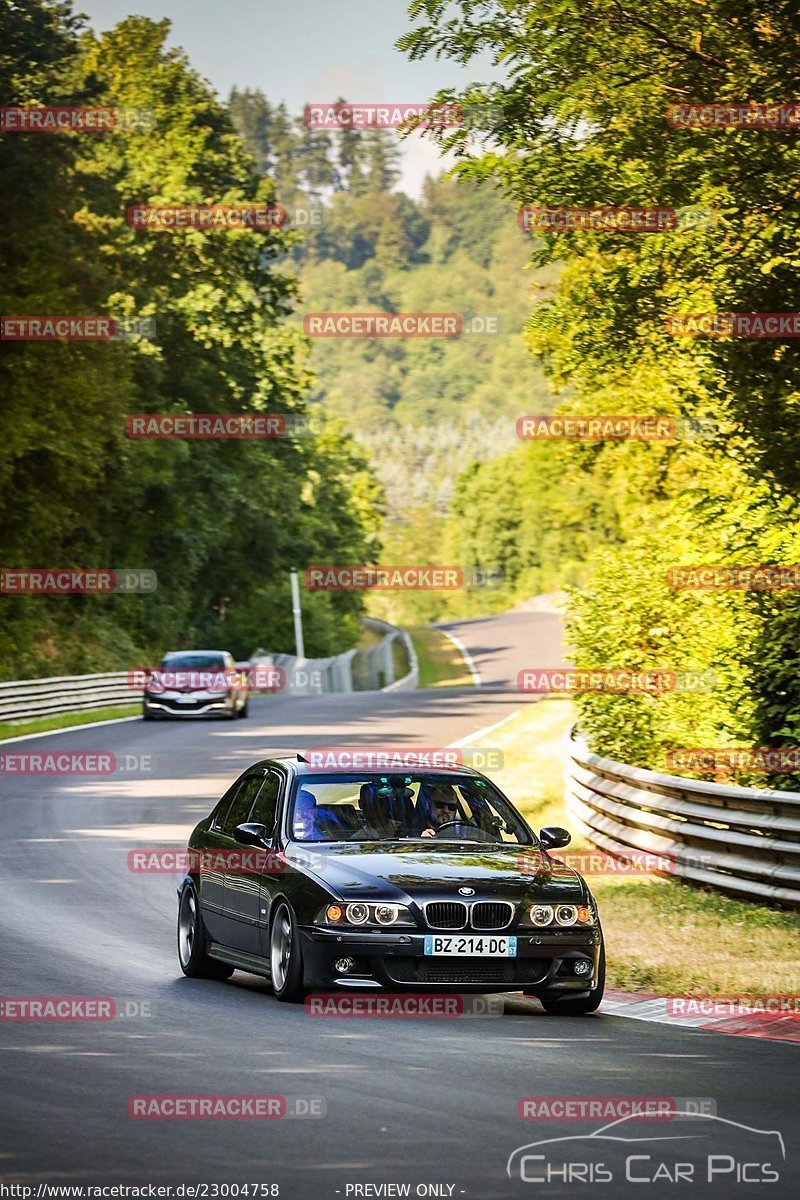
(442, 807)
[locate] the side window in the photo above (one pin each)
(242, 803)
(224, 805)
(267, 802)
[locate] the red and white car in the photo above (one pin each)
(196, 683)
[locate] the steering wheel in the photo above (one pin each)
(445, 824)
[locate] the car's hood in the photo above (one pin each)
(398, 871)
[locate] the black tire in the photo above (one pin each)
(243, 711)
(567, 1007)
(193, 940)
(285, 956)
(147, 715)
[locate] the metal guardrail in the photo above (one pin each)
(367, 668)
(383, 651)
(26, 699)
(742, 840)
(371, 667)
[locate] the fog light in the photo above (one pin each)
(582, 966)
(343, 965)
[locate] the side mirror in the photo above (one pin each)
(252, 834)
(553, 837)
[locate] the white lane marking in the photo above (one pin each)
(468, 659)
(471, 737)
(27, 737)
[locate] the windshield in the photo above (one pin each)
(193, 662)
(384, 808)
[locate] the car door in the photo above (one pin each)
(249, 881)
(211, 866)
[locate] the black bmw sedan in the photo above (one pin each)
(429, 879)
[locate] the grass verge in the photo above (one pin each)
(441, 663)
(662, 935)
(67, 720)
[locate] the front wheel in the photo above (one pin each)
(193, 940)
(243, 710)
(285, 956)
(584, 1004)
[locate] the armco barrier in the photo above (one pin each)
(741, 840)
(373, 667)
(26, 699)
(368, 668)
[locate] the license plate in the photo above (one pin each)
(501, 947)
(184, 699)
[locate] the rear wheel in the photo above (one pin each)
(584, 1004)
(285, 956)
(193, 941)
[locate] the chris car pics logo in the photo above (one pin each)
(692, 1147)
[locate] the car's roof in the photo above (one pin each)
(172, 653)
(299, 767)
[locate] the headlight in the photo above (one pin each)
(357, 912)
(541, 914)
(566, 914)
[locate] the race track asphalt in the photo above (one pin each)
(418, 1102)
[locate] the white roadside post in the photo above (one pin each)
(297, 613)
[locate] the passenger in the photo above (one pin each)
(314, 823)
(304, 824)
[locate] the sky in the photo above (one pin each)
(303, 51)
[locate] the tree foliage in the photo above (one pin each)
(581, 121)
(221, 522)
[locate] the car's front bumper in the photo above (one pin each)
(397, 962)
(192, 704)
